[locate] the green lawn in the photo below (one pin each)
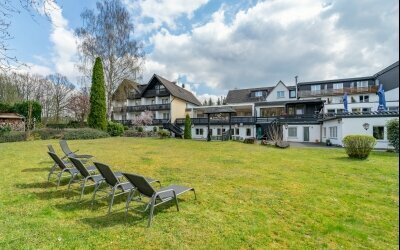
(249, 197)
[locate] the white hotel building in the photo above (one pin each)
(307, 112)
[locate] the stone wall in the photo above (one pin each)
(15, 124)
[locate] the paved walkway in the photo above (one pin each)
(309, 145)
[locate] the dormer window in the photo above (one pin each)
(258, 94)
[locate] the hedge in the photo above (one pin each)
(359, 146)
(84, 133)
(13, 136)
(393, 133)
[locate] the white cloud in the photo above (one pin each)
(34, 69)
(162, 12)
(276, 40)
(64, 53)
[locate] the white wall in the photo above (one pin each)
(314, 135)
(354, 126)
(242, 131)
(332, 123)
(272, 97)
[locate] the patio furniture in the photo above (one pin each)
(65, 169)
(69, 153)
(114, 183)
(54, 167)
(156, 198)
(87, 176)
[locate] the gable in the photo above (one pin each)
(273, 94)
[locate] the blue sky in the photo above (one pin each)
(217, 45)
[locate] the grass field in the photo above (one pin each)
(249, 197)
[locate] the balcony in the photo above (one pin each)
(333, 92)
(155, 122)
(248, 120)
(155, 92)
(151, 107)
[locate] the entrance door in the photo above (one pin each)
(259, 132)
(306, 134)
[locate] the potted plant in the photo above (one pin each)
(328, 142)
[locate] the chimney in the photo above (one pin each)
(183, 85)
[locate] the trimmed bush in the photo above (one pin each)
(84, 133)
(115, 129)
(359, 146)
(13, 136)
(187, 134)
(163, 133)
(250, 140)
(5, 129)
(393, 133)
(140, 129)
(97, 116)
(48, 133)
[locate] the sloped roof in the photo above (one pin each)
(124, 88)
(177, 91)
(244, 95)
(394, 65)
(216, 110)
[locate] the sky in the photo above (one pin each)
(216, 45)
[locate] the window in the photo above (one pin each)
(362, 84)
(393, 108)
(337, 86)
(316, 88)
(236, 131)
(137, 102)
(280, 94)
(355, 110)
(324, 132)
(164, 101)
(292, 93)
(378, 132)
(258, 94)
(153, 101)
(248, 132)
(218, 131)
(333, 132)
(292, 132)
(165, 115)
(300, 110)
(199, 131)
(340, 111)
(331, 111)
(364, 98)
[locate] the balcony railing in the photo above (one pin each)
(330, 92)
(155, 92)
(234, 120)
(151, 107)
(154, 122)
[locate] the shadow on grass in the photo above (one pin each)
(132, 218)
(35, 170)
(44, 184)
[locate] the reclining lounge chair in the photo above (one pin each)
(65, 169)
(163, 195)
(114, 183)
(69, 153)
(87, 176)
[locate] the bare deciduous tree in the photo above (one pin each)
(62, 90)
(79, 104)
(8, 9)
(107, 33)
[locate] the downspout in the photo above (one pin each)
(295, 80)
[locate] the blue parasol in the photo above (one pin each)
(345, 102)
(382, 101)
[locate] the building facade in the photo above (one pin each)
(164, 99)
(305, 112)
